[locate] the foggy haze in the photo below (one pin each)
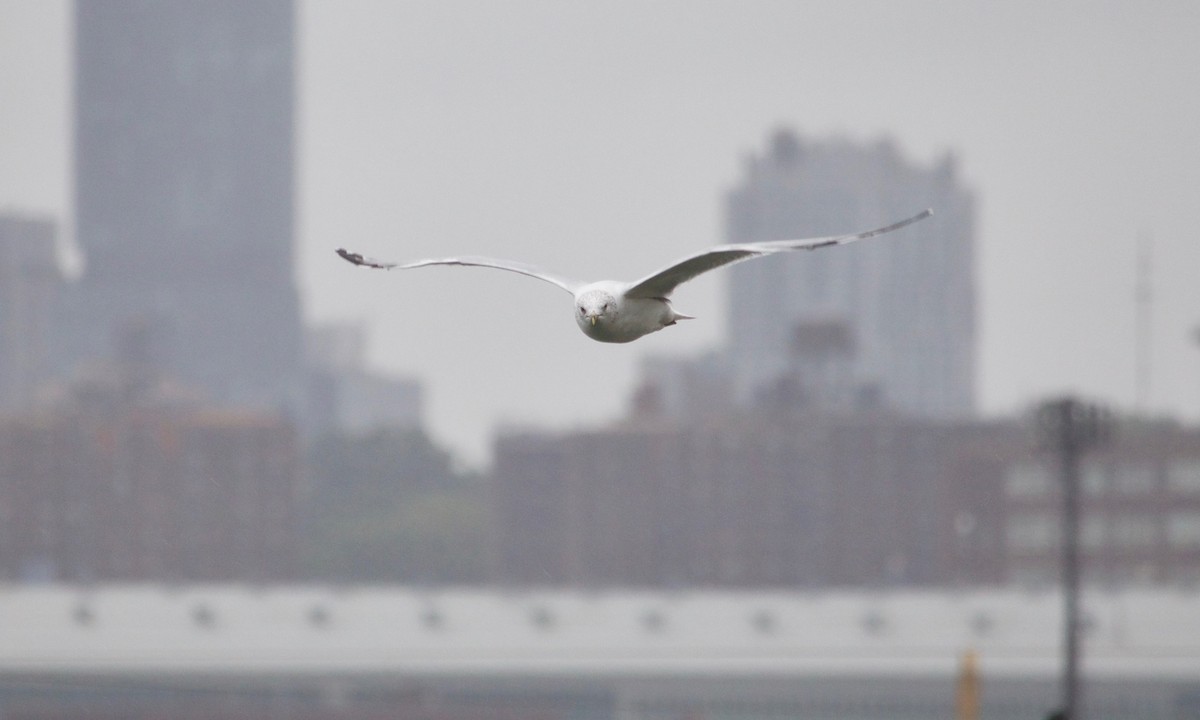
(577, 135)
(210, 506)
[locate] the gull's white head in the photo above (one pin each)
(593, 308)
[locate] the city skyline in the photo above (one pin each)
(544, 132)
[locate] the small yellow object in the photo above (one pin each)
(967, 700)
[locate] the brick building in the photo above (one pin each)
(815, 499)
(805, 500)
(106, 488)
(1140, 510)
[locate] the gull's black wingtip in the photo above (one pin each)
(357, 259)
(353, 258)
(895, 226)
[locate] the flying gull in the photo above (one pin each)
(621, 312)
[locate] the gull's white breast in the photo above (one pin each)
(630, 319)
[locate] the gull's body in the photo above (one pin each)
(620, 312)
(605, 312)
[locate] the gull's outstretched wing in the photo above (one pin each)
(663, 283)
(469, 261)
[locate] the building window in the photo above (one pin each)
(1135, 531)
(1027, 479)
(1094, 478)
(1183, 529)
(1187, 576)
(1032, 531)
(1183, 476)
(1035, 574)
(1134, 479)
(1093, 533)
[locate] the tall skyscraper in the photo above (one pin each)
(30, 282)
(184, 177)
(905, 303)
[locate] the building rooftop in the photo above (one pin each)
(233, 631)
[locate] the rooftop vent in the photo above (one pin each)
(654, 621)
(874, 623)
(203, 616)
(982, 623)
(432, 618)
(542, 618)
(764, 621)
(318, 616)
(83, 615)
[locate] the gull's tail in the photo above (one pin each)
(675, 316)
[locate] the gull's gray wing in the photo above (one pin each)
(664, 282)
(468, 261)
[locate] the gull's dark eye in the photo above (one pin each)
(582, 311)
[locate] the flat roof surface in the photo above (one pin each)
(400, 631)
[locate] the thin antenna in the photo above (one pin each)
(1144, 299)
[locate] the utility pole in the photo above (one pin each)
(1068, 427)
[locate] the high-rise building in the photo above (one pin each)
(905, 303)
(184, 181)
(30, 282)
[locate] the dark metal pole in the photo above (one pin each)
(1069, 460)
(1068, 427)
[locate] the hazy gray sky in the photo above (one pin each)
(598, 139)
